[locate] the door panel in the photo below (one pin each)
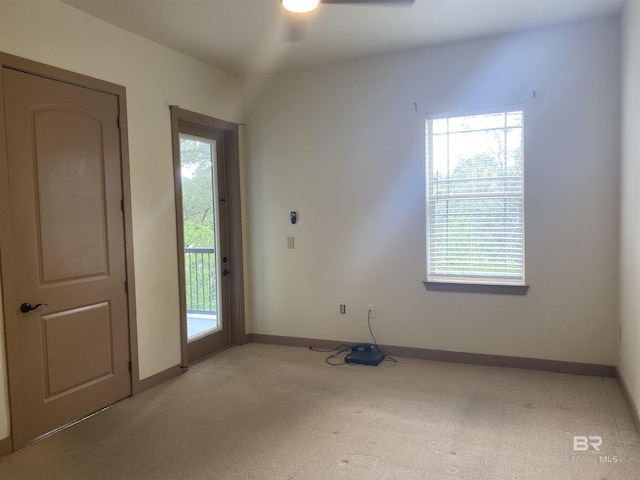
(63, 150)
(78, 333)
(72, 180)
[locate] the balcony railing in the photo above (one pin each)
(200, 276)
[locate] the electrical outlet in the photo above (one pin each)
(343, 308)
(371, 311)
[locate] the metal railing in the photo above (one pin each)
(200, 280)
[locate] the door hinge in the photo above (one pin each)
(129, 365)
(118, 121)
(122, 204)
(126, 287)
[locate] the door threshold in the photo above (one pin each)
(70, 424)
(209, 355)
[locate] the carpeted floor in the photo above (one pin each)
(270, 412)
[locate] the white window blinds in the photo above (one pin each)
(475, 198)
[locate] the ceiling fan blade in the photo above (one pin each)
(371, 2)
(295, 28)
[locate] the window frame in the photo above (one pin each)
(469, 284)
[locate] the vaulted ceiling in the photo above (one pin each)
(249, 36)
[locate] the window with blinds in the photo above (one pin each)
(475, 198)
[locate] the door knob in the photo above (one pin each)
(225, 272)
(27, 307)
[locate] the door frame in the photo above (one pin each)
(7, 249)
(231, 167)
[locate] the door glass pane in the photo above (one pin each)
(201, 227)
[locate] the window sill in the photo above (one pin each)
(476, 288)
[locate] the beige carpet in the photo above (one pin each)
(269, 412)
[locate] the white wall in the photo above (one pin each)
(54, 33)
(629, 357)
(344, 146)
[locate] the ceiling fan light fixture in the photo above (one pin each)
(300, 6)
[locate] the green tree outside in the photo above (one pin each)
(199, 224)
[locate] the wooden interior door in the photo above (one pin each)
(67, 232)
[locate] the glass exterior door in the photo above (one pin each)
(201, 233)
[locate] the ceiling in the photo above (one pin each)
(250, 36)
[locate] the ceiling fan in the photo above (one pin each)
(304, 6)
(298, 7)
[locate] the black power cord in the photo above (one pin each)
(335, 351)
(320, 349)
(387, 358)
(329, 359)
